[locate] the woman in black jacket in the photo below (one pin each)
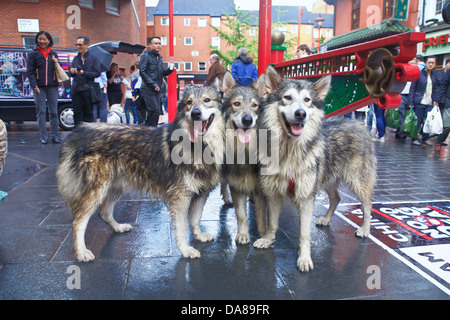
(42, 76)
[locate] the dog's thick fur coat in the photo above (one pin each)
(240, 109)
(98, 162)
(314, 154)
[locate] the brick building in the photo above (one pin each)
(65, 20)
(193, 35)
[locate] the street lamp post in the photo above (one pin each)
(319, 20)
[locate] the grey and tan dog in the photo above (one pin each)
(314, 154)
(240, 108)
(179, 163)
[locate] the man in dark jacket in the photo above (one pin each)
(152, 73)
(442, 99)
(84, 69)
(243, 69)
(420, 96)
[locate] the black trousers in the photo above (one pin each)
(82, 106)
(152, 100)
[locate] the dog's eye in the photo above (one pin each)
(189, 102)
(207, 100)
(288, 98)
(254, 105)
(237, 104)
(307, 99)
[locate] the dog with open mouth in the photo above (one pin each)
(314, 154)
(99, 162)
(240, 109)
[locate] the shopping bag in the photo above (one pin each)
(392, 118)
(410, 124)
(433, 124)
(61, 75)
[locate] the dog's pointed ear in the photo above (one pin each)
(228, 82)
(322, 86)
(260, 85)
(272, 79)
(216, 84)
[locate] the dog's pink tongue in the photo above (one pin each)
(195, 128)
(244, 136)
(296, 129)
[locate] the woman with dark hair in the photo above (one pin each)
(114, 88)
(42, 76)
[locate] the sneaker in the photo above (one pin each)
(56, 140)
(416, 143)
(428, 143)
(44, 140)
(378, 139)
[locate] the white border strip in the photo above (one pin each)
(395, 254)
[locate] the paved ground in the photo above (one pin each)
(37, 262)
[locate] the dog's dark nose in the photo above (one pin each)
(300, 114)
(196, 114)
(247, 120)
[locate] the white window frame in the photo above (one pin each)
(215, 42)
(215, 22)
(204, 66)
(184, 65)
(202, 24)
(187, 22)
(186, 41)
(164, 21)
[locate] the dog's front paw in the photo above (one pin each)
(362, 232)
(323, 221)
(204, 237)
(304, 264)
(121, 228)
(190, 252)
(84, 255)
(242, 238)
(262, 243)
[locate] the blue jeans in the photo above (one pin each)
(101, 108)
(421, 111)
(47, 95)
(381, 120)
(126, 108)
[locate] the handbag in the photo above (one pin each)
(433, 124)
(61, 75)
(410, 124)
(392, 118)
(94, 91)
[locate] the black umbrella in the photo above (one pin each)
(104, 51)
(104, 57)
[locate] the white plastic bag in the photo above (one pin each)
(433, 124)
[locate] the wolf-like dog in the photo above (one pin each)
(240, 109)
(98, 162)
(314, 154)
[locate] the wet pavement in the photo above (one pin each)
(37, 261)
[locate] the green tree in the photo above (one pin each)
(237, 24)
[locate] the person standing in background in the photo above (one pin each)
(84, 69)
(42, 77)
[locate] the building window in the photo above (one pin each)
(388, 8)
(187, 66)
(215, 42)
(215, 22)
(308, 29)
(112, 6)
(164, 21)
(164, 41)
(328, 33)
(252, 32)
(88, 4)
(202, 22)
(202, 66)
(188, 41)
(187, 22)
(356, 9)
(29, 41)
(440, 5)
